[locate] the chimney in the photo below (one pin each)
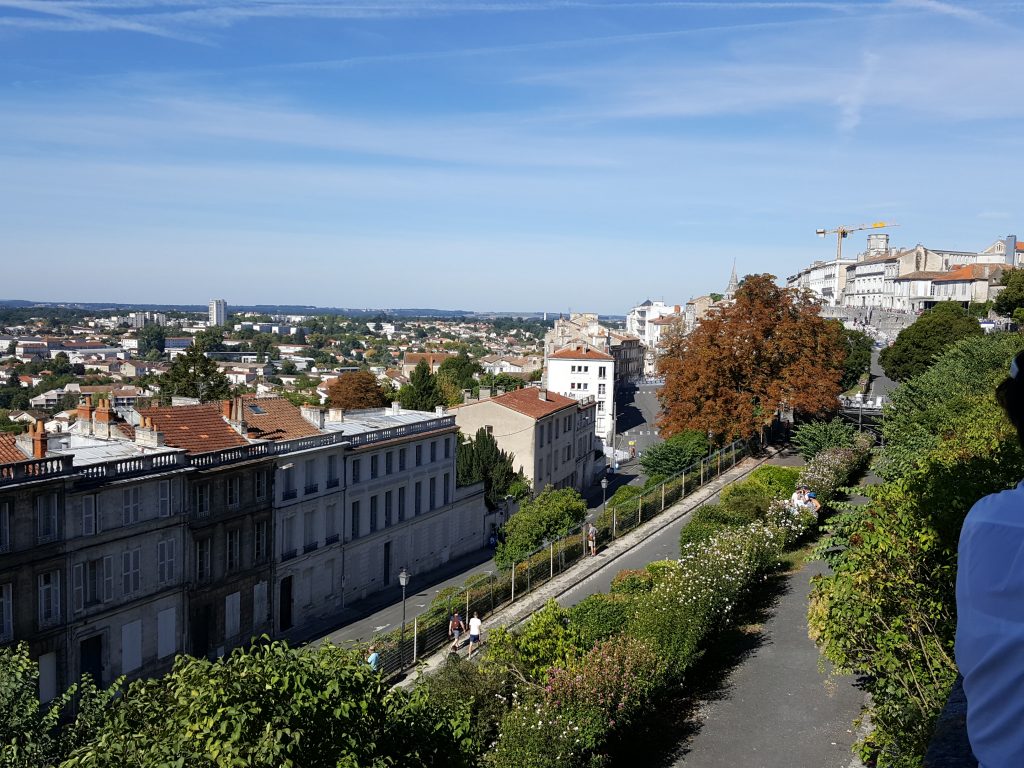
(485, 393)
(396, 407)
(85, 414)
(146, 434)
(439, 410)
(542, 393)
(336, 414)
(39, 440)
(467, 395)
(313, 414)
(225, 409)
(103, 417)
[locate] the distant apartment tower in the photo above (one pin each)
(218, 312)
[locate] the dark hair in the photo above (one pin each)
(1010, 395)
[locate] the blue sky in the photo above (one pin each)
(508, 155)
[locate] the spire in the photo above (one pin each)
(730, 290)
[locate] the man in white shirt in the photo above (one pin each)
(475, 626)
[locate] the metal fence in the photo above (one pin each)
(487, 592)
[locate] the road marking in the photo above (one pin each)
(381, 627)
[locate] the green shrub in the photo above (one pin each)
(600, 616)
(814, 437)
(780, 481)
(675, 454)
(632, 582)
(746, 500)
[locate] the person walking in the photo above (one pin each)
(475, 629)
(455, 630)
(592, 539)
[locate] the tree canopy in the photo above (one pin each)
(918, 345)
(675, 454)
(1012, 296)
(422, 392)
(193, 374)
(858, 357)
(551, 514)
(355, 390)
(151, 338)
(732, 372)
(479, 459)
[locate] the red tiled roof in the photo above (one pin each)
(275, 418)
(666, 319)
(432, 358)
(969, 272)
(922, 275)
(527, 402)
(196, 428)
(579, 353)
(9, 452)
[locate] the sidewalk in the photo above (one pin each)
(526, 606)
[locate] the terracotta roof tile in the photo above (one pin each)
(970, 272)
(275, 418)
(579, 353)
(9, 452)
(527, 402)
(196, 428)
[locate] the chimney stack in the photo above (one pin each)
(146, 434)
(396, 407)
(39, 440)
(225, 409)
(439, 410)
(542, 393)
(336, 414)
(103, 418)
(313, 414)
(85, 414)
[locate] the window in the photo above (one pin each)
(166, 560)
(355, 470)
(49, 598)
(601, 372)
(373, 466)
(433, 451)
(88, 515)
(387, 509)
(389, 461)
(355, 519)
(418, 498)
(201, 499)
(92, 582)
(310, 540)
(419, 455)
(234, 491)
(433, 493)
(401, 459)
(6, 613)
(331, 524)
(600, 389)
(558, 424)
(233, 550)
(332, 470)
(131, 571)
(259, 541)
(46, 517)
(164, 507)
(261, 485)
(202, 559)
(309, 473)
(130, 505)
(289, 484)
(373, 514)
(401, 504)
(447, 488)
(5, 526)
(447, 447)
(549, 433)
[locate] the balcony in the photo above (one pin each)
(289, 555)
(289, 494)
(311, 547)
(332, 539)
(311, 489)
(333, 483)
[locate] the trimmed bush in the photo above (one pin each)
(780, 481)
(632, 582)
(812, 438)
(600, 616)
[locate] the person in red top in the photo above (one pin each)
(455, 630)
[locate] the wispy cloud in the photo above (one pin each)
(946, 9)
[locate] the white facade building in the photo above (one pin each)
(578, 372)
(218, 312)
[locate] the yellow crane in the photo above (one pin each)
(841, 232)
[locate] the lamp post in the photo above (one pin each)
(604, 501)
(403, 579)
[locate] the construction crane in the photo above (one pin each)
(842, 232)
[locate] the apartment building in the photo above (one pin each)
(551, 437)
(578, 372)
(584, 328)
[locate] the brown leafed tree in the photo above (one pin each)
(729, 376)
(355, 390)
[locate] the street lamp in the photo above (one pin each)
(604, 501)
(403, 579)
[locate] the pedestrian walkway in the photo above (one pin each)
(776, 709)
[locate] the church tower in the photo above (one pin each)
(730, 291)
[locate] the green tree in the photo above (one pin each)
(480, 459)
(421, 393)
(675, 454)
(193, 374)
(355, 390)
(274, 706)
(210, 340)
(151, 339)
(553, 513)
(858, 357)
(917, 345)
(1012, 296)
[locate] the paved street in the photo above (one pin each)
(880, 383)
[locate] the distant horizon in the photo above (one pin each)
(493, 153)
